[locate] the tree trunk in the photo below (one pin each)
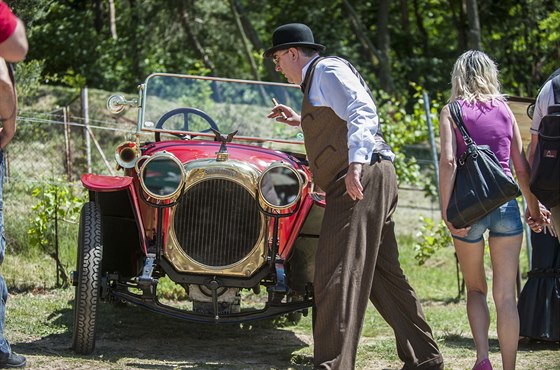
(193, 39)
(253, 36)
(473, 34)
(371, 52)
(112, 21)
(405, 21)
(421, 29)
(459, 21)
(384, 44)
(244, 41)
(379, 57)
(98, 16)
(135, 55)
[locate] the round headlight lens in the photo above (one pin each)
(280, 186)
(162, 176)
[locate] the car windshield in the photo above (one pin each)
(193, 105)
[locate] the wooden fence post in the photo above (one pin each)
(85, 113)
(67, 144)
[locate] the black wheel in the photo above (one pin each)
(90, 251)
(185, 112)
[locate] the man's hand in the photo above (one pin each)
(353, 185)
(538, 221)
(285, 114)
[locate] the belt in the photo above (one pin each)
(378, 157)
(375, 158)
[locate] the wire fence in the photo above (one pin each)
(51, 150)
(57, 148)
(51, 147)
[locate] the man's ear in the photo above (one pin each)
(293, 53)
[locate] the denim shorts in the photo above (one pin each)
(503, 221)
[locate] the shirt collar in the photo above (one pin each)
(306, 67)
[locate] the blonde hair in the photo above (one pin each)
(475, 78)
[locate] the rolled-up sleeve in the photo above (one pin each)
(341, 90)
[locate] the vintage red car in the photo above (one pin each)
(221, 201)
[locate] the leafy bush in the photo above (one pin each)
(402, 127)
(28, 79)
(431, 238)
(58, 202)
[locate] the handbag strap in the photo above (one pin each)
(457, 116)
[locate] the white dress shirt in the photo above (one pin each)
(335, 85)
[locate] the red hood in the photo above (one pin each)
(187, 151)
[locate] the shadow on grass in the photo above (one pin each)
(134, 337)
(439, 301)
(459, 341)
(525, 344)
(531, 345)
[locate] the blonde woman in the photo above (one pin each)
(489, 121)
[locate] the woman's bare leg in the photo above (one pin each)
(504, 252)
(471, 259)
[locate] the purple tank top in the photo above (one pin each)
(489, 124)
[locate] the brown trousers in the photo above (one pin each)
(358, 239)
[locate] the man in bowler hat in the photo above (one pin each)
(357, 257)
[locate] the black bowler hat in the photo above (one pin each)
(292, 35)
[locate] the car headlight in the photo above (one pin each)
(161, 175)
(280, 186)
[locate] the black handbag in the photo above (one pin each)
(481, 185)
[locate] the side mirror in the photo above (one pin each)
(117, 103)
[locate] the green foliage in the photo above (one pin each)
(56, 200)
(551, 27)
(168, 289)
(431, 238)
(201, 37)
(28, 79)
(57, 203)
(402, 129)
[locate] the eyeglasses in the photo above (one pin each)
(276, 58)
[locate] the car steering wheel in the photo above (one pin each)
(185, 112)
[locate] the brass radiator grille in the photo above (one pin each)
(217, 222)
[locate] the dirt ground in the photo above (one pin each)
(129, 337)
(132, 338)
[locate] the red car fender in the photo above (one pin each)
(102, 184)
(308, 201)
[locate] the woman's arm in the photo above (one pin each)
(447, 166)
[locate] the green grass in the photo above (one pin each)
(39, 323)
(436, 286)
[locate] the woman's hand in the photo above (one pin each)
(540, 220)
(457, 232)
(283, 113)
